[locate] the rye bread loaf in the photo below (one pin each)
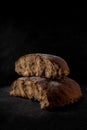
(42, 65)
(48, 93)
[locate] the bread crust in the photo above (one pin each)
(42, 65)
(49, 93)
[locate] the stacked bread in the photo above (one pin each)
(45, 80)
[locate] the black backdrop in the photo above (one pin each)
(66, 38)
(20, 35)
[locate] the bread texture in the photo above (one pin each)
(42, 65)
(49, 93)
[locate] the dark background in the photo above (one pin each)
(65, 38)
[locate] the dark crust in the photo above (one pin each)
(59, 93)
(54, 59)
(67, 92)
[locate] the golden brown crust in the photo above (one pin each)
(49, 93)
(42, 65)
